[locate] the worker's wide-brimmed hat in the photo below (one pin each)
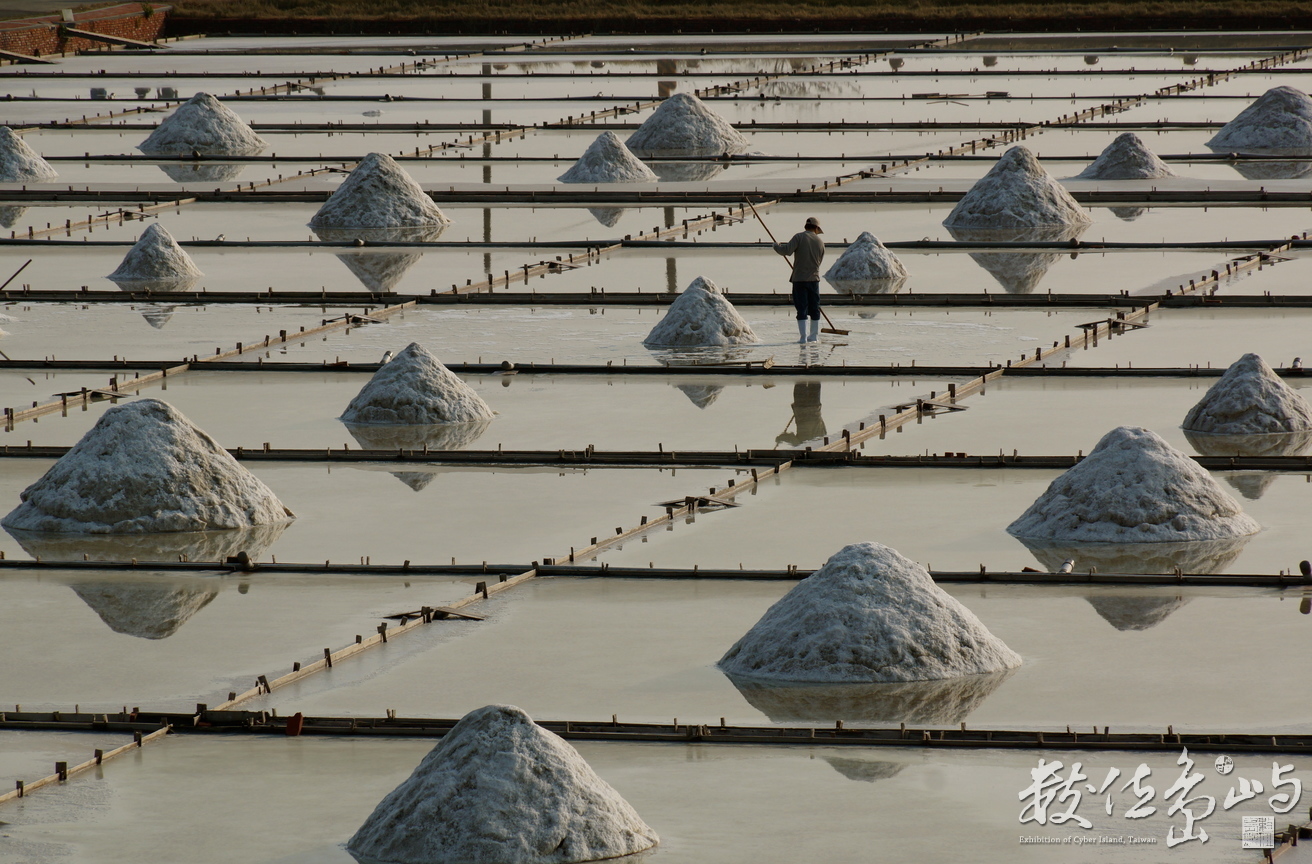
(813, 222)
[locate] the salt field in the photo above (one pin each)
(402, 377)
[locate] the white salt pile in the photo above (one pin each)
(19, 163)
(379, 194)
(1133, 488)
(866, 267)
(499, 788)
(1250, 399)
(1016, 193)
(868, 615)
(683, 125)
(145, 468)
(156, 258)
(1126, 158)
(700, 316)
(205, 125)
(415, 389)
(1281, 118)
(607, 160)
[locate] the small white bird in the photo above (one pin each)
(221, 238)
(387, 358)
(1297, 364)
(1067, 566)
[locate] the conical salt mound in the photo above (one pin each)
(156, 257)
(699, 317)
(378, 194)
(1250, 399)
(866, 267)
(1126, 158)
(415, 389)
(1281, 118)
(683, 125)
(1016, 193)
(205, 125)
(499, 788)
(1133, 488)
(144, 468)
(19, 163)
(868, 615)
(607, 160)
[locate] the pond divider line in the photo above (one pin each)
(654, 371)
(225, 721)
(126, 386)
(792, 573)
(588, 457)
(140, 738)
(655, 299)
(265, 685)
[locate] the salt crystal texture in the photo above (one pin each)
(1016, 193)
(145, 468)
(700, 316)
(1126, 158)
(156, 258)
(378, 194)
(19, 163)
(204, 125)
(1280, 118)
(415, 389)
(868, 615)
(607, 160)
(1250, 399)
(866, 267)
(499, 789)
(683, 125)
(1133, 487)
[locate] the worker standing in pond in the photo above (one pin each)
(808, 250)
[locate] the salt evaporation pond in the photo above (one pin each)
(727, 805)
(671, 667)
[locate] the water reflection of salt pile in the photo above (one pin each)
(448, 436)
(379, 270)
(202, 172)
(153, 609)
(1126, 612)
(1188, 556)
(864, 770)
(608, 216)
(1017, 272)
(170, 546)
(10, 214)
(945, 701)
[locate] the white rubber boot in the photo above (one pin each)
(815, 331)
(801, 330)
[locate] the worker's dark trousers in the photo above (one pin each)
(806, 300)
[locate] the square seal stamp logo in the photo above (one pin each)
(1257, 832)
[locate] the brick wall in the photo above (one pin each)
(42, 35)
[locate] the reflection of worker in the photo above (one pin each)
(806, 411)
(809, 251)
